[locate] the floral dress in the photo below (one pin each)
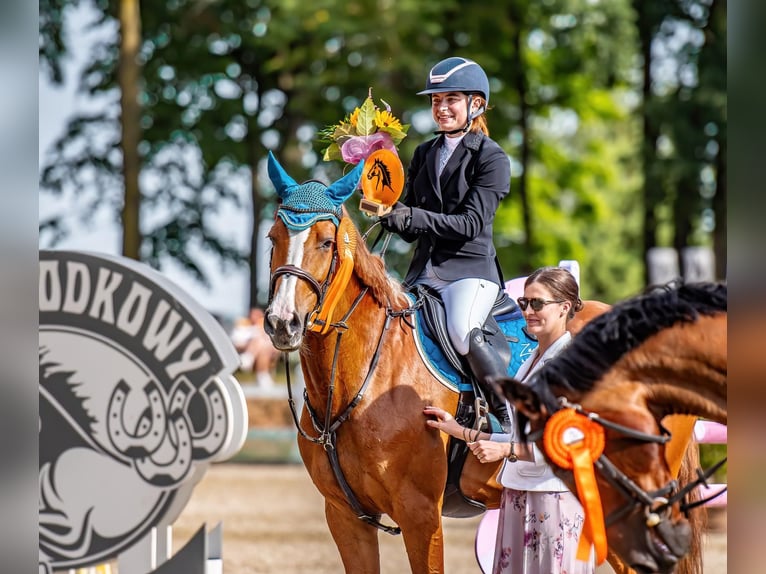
(539, 527)
(538, 533)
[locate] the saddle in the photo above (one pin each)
(472, 407)
(435, 323)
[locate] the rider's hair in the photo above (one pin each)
(479, 124)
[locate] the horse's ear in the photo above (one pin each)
(342, 189)
(521, 396)
(283, 183)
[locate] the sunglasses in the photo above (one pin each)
(536, 303)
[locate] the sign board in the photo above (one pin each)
(137, 399)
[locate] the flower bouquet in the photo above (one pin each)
(370, 135)
(365, 130)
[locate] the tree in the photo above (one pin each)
(224, 82)
(684, 119)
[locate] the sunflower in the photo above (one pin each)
(385, 119)
(354, 117)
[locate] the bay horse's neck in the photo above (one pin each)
(680, 370)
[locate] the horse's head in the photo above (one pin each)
(658, 354)
(312, 245)
(633, 477)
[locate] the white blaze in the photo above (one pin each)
(283, 303)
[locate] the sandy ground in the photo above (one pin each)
(273, 522)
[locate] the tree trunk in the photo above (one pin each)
(524, 153)
(719, 207)
(129, 76)
(254, 149)
(651, 186)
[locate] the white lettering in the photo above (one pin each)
(76, 302)
(50, 286)
(159, 336)
(103, 297)
(133, 310)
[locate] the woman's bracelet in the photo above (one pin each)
(512, 456)
(468, 439)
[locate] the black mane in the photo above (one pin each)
(605, 339)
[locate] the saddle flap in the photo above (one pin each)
(435, 320)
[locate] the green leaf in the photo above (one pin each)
(343, 132)
(332, 152)
(365, 122)
(396, 135)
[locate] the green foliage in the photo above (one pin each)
(225, 81)
(711, 454)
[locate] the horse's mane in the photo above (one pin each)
(605, 339)
(371, 271)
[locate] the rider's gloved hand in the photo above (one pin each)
(398, 219)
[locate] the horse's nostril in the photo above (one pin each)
(295, 323)
(270, 324)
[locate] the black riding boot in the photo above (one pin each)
(486, 362)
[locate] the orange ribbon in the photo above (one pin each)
(345, 238)
(574, 442)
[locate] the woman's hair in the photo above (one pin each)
(479, 124)
(561, 283)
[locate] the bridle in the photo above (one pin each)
(327, 429)
(320, 289)
(657, 503)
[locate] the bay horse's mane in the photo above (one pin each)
(605, 339)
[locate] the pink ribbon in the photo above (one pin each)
(357, 148)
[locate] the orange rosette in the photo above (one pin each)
(574, 442)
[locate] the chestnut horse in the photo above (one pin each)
(365, 382)
(661, 353)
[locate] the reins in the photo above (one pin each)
(327, 430)
(655, 503)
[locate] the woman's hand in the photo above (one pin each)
(489, 450)
(445, 422)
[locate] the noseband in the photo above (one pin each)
(320, 289)
(657, 503)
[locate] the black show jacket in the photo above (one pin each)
(453, 215)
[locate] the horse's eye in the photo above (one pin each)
(326, 244)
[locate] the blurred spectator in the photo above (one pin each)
(257, 354)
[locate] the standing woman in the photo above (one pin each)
(540, 520)
(453, 188)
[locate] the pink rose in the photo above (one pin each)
(357, 148)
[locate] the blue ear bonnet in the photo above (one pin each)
(305, 204)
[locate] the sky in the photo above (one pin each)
(229, 294)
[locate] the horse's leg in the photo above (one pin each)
(356, 540)
(419, 517)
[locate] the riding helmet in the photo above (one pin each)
(457, 74)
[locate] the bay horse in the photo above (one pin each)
(658, 354)
(366, 384)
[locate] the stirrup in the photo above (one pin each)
(481, 408)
